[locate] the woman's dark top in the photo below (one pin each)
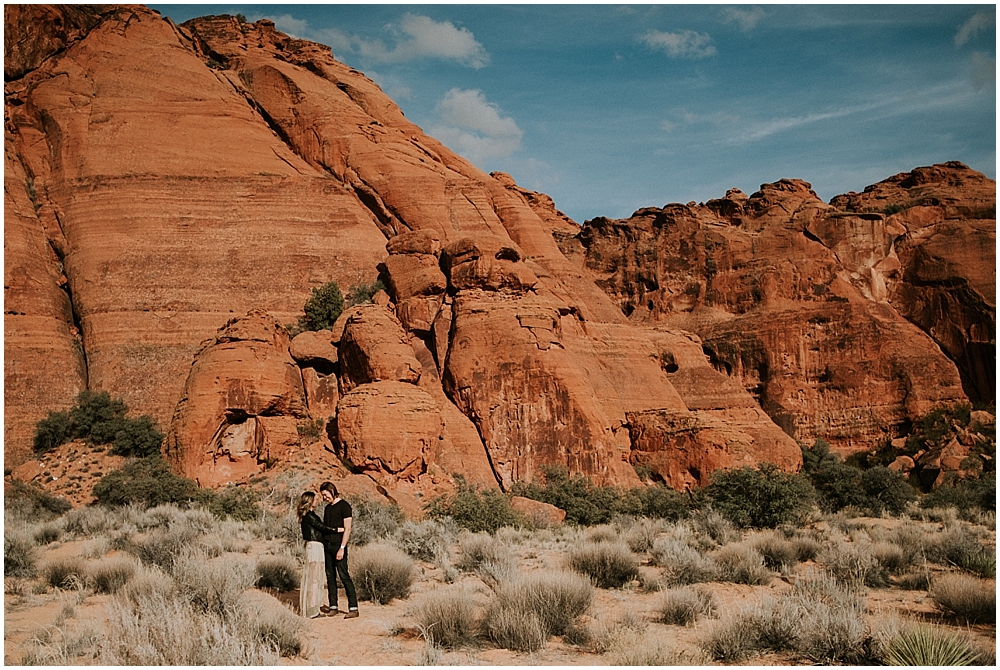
(313, 528)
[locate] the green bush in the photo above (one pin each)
(147, 482)
(138, 437)
(965, 494)
(885, 491)
(32, 502)
(99, 419)
(475, 509)
(236, 502)
(362, 293)
(323, 307)
(761, 498)
(52, 431)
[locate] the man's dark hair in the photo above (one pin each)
(328, 486)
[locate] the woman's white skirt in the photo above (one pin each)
(312, 590)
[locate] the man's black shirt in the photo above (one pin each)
(333, 517)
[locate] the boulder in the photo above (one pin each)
(242, 402)
(314, 349)
(374, 348)
(542, 515)
(902, 464)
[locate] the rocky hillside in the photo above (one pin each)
(173, 193)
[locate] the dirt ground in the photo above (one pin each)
(387, 634)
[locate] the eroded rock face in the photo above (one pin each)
(242, 403)
(943, 272)
(791, 297)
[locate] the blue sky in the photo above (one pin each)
(609, 108)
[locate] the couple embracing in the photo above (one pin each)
(326, 551)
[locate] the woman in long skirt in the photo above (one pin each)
(312, 590)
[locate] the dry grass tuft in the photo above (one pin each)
(382, 572)
(110, 574)
(682, 607)
(968, 598)
(446, 618)
(609, 564)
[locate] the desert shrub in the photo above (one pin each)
(97, 418)
(213, 588)
(359, 294)
(19, 554)
(611, 636)
(917, 580)
(885, 491)
(527, 610)
(732, 639)
(709, 523)
(642, 533)
(89, 521)
(475, 509)
(683, 606)
(424, 541)
(891, 557)
(272, 624)
(961, 547)
(515, 630)
(965, 494)
(929, 646)
(661, 502)
(279, 572)
(477, 548)
(681, 563)
(603, 533)
(373, 520)
(446, 618)
(761, 498)
(55, 646)
(609, 564)
(973, 600)
(162, 547)
(382, 572)
(647, 652)
(236, 502)
(806, 548)
(324, 305)
(32, 502)
(52, 431)
(854, 566)
(110, 574)
(584, 503)
(741, 564)
(49, 532)
(146, 482)
(778, 553)
(63, 573)
(138, 437)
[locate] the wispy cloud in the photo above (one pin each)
(475, 127)
(746, 18)
(291, 26)
(682, 44)
(423, 37)
(984, 71)
(977, 23)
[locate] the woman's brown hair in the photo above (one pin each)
(305, 504)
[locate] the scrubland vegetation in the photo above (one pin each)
(760, 564)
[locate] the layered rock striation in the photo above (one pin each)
(174, 192)
(835, 317)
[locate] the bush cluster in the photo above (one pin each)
(362, 293)
(587, 504)
(762, 497)
(876, 490)
(474, 509)
(98, 419)
(324, 305)
(147, 482)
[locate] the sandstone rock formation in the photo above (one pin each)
(242, 403)
(227, 169)
(792, 298)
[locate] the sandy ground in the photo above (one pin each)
(387, 635)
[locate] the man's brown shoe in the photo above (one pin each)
(325, 609)
(353, 614)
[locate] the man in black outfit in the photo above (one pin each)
(338, 515)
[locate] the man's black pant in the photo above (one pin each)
(333, 566)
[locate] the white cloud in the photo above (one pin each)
(746, 18)
(984, 71)
(474, 127)
(682, 44)
(288, 24)
(668, 125)
(977, 23)
(423, 37)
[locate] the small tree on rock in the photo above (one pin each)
(323, 307)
